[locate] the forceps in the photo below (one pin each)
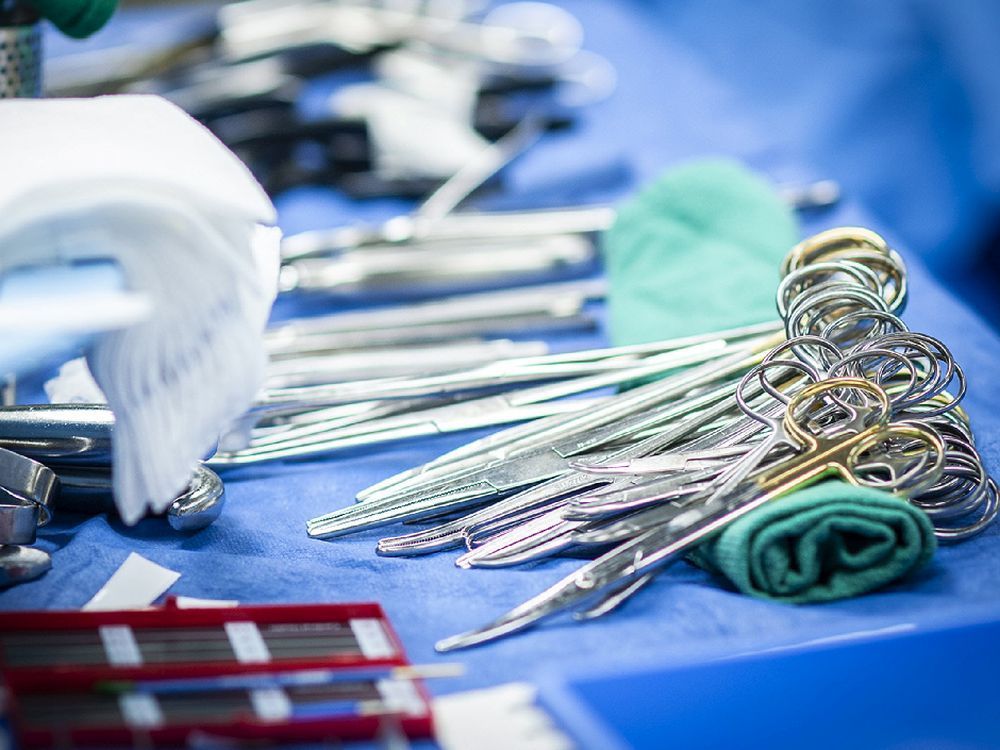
(303, 421)
(433, 247)
(549, 306)
(566, 486)
(842, 449)
(440, 265)
(503, 373)
(464, 227)
(477, 412)
(471, 227)
(532, 435)
(538, 455)
(393, 362)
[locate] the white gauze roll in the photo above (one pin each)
(159, 195)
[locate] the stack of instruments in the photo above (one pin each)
(839, 388)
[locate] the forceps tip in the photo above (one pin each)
(325, 529)
(464, 640)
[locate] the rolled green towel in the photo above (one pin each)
(76, 18)
(699, 251)
(830, 541)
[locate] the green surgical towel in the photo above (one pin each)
(699, 251)
(830, 541)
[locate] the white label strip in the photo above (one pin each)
(193, 602)
(372, 638)
(271, 704)
(136, 584)
(141, 710)
(120, 646)
(247, 642)
(402, 696)
(496, 718)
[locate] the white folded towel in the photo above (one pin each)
(136, 180)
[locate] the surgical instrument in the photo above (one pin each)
(440, 251)
(820, 456)
(73, 443)
(505, 373)
(393, 362)
(472, 412)
(543, 454)
(467, 227)
(471, 227)
(19, 564)
(554, 306)
(849, 389)
(446, 198)
(442, 265)
(522, 437)
(27, 488)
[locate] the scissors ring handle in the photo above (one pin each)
(831, 242)
(918, 465)
(834, 387)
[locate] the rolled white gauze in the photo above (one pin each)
(136, 180)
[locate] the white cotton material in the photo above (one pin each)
(74, 385)
(134, 179)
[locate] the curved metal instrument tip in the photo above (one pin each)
(20, 564)
(201, 504)
(328, 528)
(477, 636)
(357, 517)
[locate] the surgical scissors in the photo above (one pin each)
(541, 454)
(847, 391)
(838, 450)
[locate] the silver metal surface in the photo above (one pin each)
(200, 505)
(29, 482)
(22, 564)
(18, 520)
(73, 441)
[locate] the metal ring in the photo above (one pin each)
(30, 481)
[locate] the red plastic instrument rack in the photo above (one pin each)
(378, 646)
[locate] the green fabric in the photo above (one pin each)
(696, 251)
(76, 18)
(699, 251)
(830, 541)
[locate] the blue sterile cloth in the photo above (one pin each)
(674, 102)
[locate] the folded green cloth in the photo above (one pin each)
(696, 251)
(699, 251)
(830, 541)
(76, 18)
